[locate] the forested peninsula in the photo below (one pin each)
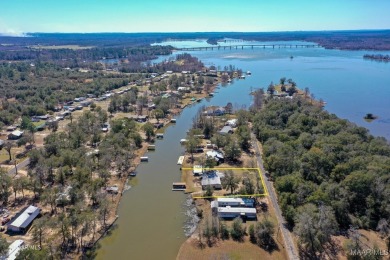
(328, 172)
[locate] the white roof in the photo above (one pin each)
(238, 200)
(17, 133)
(236, 210)
(24, 219)
(14, 249)
(214, 154)
(198, 169)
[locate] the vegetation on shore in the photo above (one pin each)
(327, 171)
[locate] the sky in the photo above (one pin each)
(22, 16)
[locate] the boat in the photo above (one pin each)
(144, 158)
(133, 174)
(182, 141)
(178, 186)
(229, 80)
(211, 94)
(180, 161)
(198, 100)
(242, 77)
(160, 136)
(248, 72)
(173, 120)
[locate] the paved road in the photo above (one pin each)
(19, 166)
(288, 241)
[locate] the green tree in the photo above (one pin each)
(191, 146)
(149, 130)
(238, 230)
(232, 151)
(3, 245)
(230, 181)
(265, 230)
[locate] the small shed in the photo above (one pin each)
(226, 130)
(21, 223)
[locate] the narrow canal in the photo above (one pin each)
(151, 216)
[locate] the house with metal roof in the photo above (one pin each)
(226, 130)
(14, 135)
(22, 222)
(233, 212)
(211, 179)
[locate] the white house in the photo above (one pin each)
(216, 155)
(24, 220)
(232, 212)
(235, 202)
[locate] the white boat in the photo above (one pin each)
(248, 72)
(182, 141)
(242, 77)
(180, 161)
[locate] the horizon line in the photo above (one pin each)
(168, 32)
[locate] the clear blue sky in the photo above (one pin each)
(18, 16)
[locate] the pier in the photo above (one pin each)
(250, 46)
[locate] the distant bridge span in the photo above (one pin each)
(251, 46)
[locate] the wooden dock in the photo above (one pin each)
(250, 46)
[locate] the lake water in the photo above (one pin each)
(151, 216)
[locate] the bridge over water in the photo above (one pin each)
(250, 46)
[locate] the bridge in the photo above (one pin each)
(250, 46)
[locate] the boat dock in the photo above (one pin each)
(144, 158)
(179, 186)
(151, 147)
(251, 46)
(180, 161)
(160, 136)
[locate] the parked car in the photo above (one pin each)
(5, 220)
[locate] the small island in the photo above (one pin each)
(377, 57)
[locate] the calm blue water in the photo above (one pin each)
(351, 86)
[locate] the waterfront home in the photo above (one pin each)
(15, 135)
(215, 111)
(233, 212)
(216, 155)
(234, 202)
(226, 130)
(23, 221)
(211, 179)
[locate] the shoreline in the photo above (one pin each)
(141, 152)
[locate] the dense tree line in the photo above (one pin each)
(67, 161)
(325, 169)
